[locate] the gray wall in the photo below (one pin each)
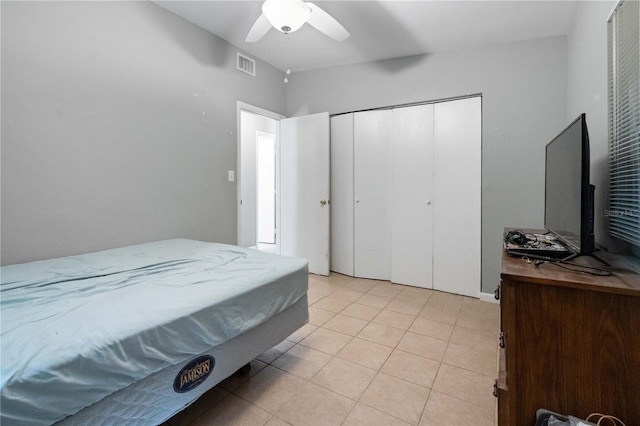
(523, 88)
(118, 127)
(118, 122)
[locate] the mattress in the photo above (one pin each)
(153, 399)
(78, 329)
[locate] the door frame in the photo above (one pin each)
(242, 106)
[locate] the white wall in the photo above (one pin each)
(118, 127)
(587, 92)
(523, 87)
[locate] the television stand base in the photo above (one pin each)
(574, 255)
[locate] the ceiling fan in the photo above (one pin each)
(289, 15)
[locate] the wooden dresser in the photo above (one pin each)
(570, 342)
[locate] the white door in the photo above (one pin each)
(457, 177)
(372, 185)
(412, 196)
(304, 190)
(342, 194)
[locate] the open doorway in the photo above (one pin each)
(301, 183)
(258, 178)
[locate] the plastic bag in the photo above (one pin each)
(573, 421)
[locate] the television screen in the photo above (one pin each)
(568, 208)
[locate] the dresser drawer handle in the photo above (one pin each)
(495, 388)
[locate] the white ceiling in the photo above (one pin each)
(381, 29)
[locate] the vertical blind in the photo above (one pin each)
(623, 30)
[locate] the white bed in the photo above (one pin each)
(136, 334)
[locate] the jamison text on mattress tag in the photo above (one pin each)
(193, 374)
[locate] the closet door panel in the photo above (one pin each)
(342, 194)
(457, 179)
(411, 196)
(372, 184)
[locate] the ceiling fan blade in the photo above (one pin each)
(326, 23)
(259, 29)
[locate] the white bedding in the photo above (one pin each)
(77, 329)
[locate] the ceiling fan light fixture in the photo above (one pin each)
(286, 15)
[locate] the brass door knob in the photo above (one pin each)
(323, 202)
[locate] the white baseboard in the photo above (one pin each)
(488, 297)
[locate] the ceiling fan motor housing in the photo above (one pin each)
(286, 15)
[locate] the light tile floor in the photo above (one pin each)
(373, 353)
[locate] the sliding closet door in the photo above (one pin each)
(457, 176)
(342, 194)
(372, 181)
(412, 196)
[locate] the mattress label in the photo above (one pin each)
(193, 374)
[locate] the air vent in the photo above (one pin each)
(246, 64)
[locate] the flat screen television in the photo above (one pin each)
(568, 206)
